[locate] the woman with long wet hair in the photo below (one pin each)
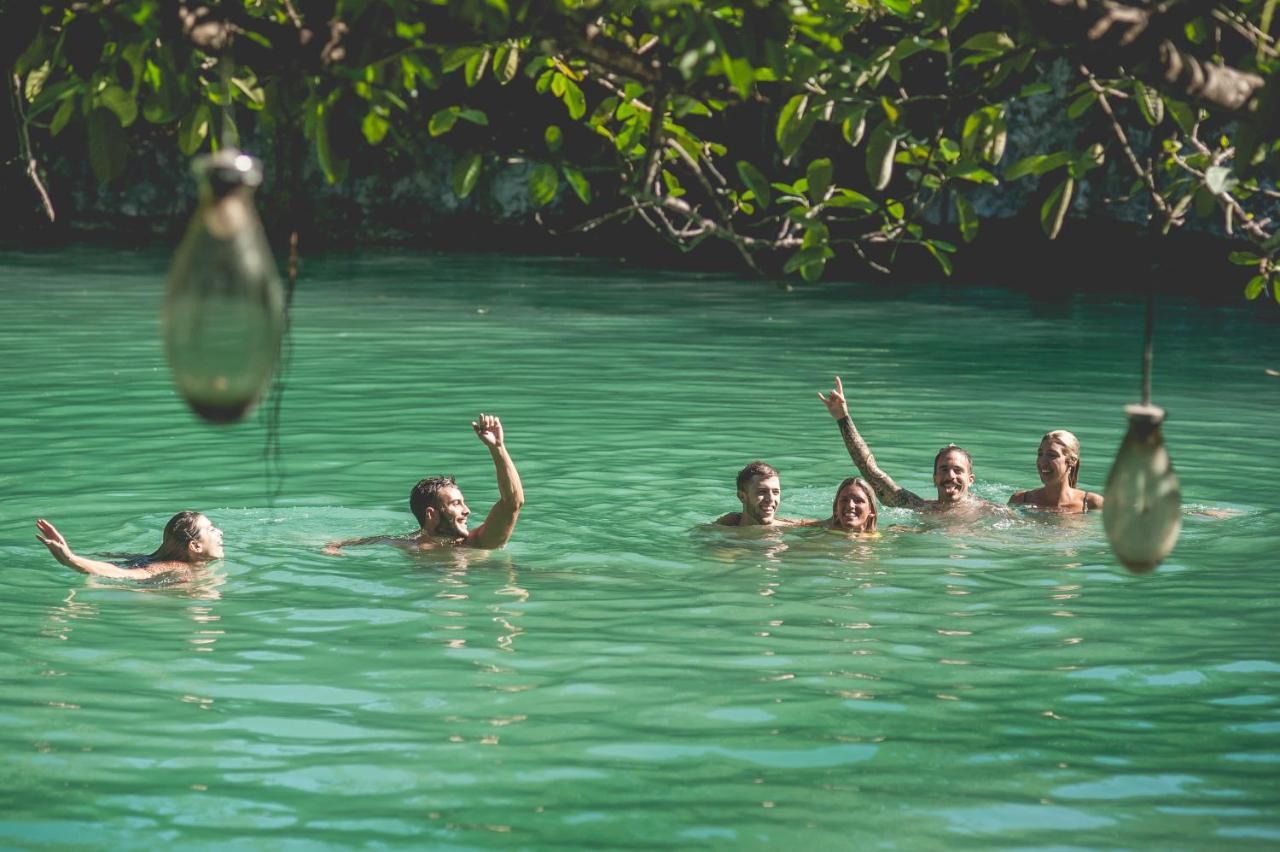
(189, 539)
(1058, 463)
(854, 508)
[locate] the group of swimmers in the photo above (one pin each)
(854, 508)
(190, 539)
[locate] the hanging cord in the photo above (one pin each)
(229, 134)
(1147, 347)
(272, 453)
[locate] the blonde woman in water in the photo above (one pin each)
(1058, 463)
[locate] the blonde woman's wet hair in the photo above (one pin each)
(864, 486)
(1071, 444)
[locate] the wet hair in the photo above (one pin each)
(756, 470)
(952, 448)
(182, 529)
(1071, 444)
(864, 486)
(426, 494)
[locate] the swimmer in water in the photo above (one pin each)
(952, 468)
(441, 512)
(760, 492)
(1058, 463)
(854, 508)
(190, 539)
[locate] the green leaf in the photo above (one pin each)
(740, 73)
(1037, 164)
(1054, 210)
(854, 126)
(577, 182)
(939, 256)
(466, 171)
(455, 58)
(554, 138)
(794, 123)
(967, 218)
(475, 116)
(62, 116)
(193, 129)
(881, 147)
(108, 145)
(984, 134)
(1254, 288)
(854, 200)
(1078, 107)
(1150, 104)
(506, 63)
(756, 182)
(1243, 258)
(1033, 89)
(890, 109)
(817, 254)
(443, 121)
(574, 99)
(331, 163)
(993, 42)
(974, 174)
(473, 70)
(543, 183)
(119, 101)
(630, 134)
(35, 81)
(374, 127)
(819, 176)
(901, 8)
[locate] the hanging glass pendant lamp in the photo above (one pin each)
(224, 304)
(1142, 512)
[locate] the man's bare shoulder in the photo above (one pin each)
(733, 519)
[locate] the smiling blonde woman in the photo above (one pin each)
(1058, 463)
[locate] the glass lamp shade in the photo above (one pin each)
(1142, 513)
(224, 305)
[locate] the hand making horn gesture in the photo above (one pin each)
(835, 403)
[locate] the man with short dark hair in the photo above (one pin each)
(760, 491)
(441, 512)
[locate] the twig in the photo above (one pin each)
(1144, 175)
(24, 143)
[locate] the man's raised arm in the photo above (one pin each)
(501, 521)
(49, 536)
(889, 492)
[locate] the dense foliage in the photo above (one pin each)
(792, 130)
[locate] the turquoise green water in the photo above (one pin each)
(618, 678)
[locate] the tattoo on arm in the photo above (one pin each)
(889, 492)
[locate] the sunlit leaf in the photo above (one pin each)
(819, 176)
(967, 218)
(1054, 210)
(374, 127)
(881, 147)
(543, 183)
(466, 171)
(577, 182)
(443, 121)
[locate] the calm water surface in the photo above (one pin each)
(618, 677)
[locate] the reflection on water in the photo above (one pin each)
(622, 671)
